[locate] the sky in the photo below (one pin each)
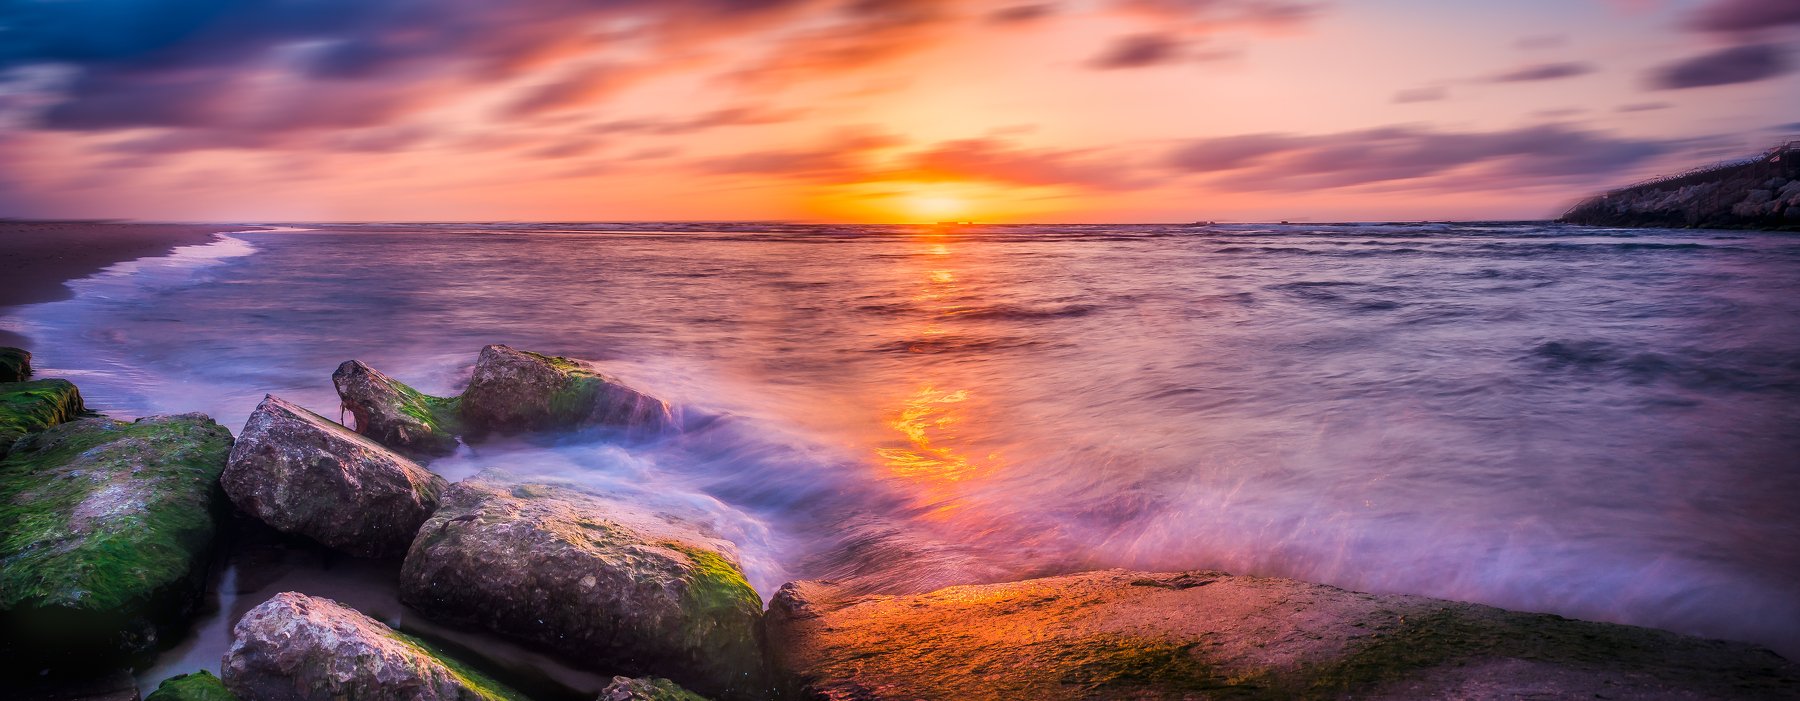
(875, 110)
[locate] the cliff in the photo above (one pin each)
(1756, 193)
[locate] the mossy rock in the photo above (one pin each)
(105, 530)
(309, 648)
(514, 390)
(29, 407)
(15, 364)
(607, 584)
(395, 415)
(646, 689)
(198, 686)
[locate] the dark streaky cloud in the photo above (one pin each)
(1737, 64)
(1543, 71)
(1745, 15)
(1510, 158)
(1140, 51)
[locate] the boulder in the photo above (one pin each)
(198, 686)
(608, 585)
(15, 364)
(514, 390)
(1135, 635)
(28, 407)
(295, 647)
(303, 474)
(395, 415)
(646, 689)
(105, 531)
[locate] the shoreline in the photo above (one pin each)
(38, 258)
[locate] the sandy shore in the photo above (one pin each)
(37, 257)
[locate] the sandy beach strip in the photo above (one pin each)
(37, 257)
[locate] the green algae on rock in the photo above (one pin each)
(646, 689)
(395, 415)
(304, 474)
(611, 586)
(27, 407)
(105, 529)
(307, 648)
(197, 686)
(15, 364)
(513, 390)
(1118, 634)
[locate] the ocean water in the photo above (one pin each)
(1599, 423)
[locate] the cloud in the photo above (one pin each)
(1734, 16)
(1426, 94)
(1213, 15)
(1023, 14)
(1448, 160)
(725, 117)
(215, 63)
(1643, 107)
(1542, 72)
(1728, 66)
(843, 157)
(996, 160)
(579, 86)
(862, 33)
(1140, 51)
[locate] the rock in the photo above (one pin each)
(28, 407)
(395, 415)
(303, 474)
(646, 689)
(1133, 635)
(607, 585)
(198, 686)
(514, 390)
(295, 647)
(105, 531)
(15, 364)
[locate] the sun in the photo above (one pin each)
(936, 206)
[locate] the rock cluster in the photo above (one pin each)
(1761, 194)
(105, 527)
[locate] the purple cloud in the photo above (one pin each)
(1728, 66)
(1745, 15)
(1022, 14)
(1140, 51)
(1542, 71)
(1510, 158)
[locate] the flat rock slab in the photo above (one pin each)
(607, 585)
(304, 474)
(1203, 635)
(29, 407)
(105, 528)
(295, 647)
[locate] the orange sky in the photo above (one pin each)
(877, 110)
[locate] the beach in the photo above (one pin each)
(37, 257)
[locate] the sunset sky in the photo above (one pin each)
(874, 110)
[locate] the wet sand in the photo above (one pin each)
(37, 257)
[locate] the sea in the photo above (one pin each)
(1597, 423)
